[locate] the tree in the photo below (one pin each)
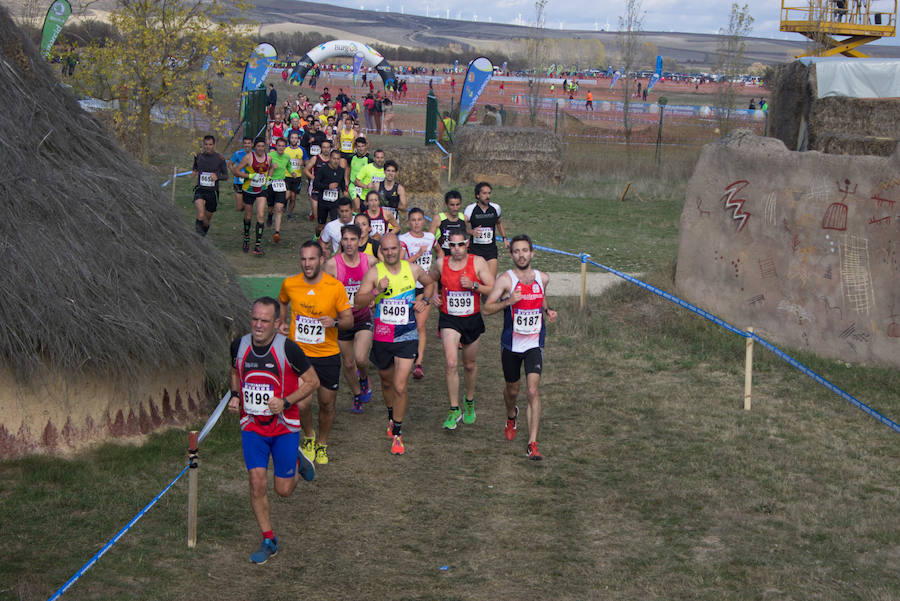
(154, 62)
(630, 25)
(536, 50)
(730, 63)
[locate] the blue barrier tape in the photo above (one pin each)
(182, 174)
(114, 539)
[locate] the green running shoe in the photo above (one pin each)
(469, 415)
(453, 418)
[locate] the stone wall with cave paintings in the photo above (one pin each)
(804, 247)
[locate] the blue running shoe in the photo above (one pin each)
(357, 405)
(305, 466)
(269, 548)
(365, 394)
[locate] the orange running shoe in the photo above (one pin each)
(390, 430)
(532, 452)
(510, 430)
(276, 238)
(397, 446)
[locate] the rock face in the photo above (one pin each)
(804, 247)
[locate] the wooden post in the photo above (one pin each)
(449, 167)
(174, 173)
(584, 259)
(192, 489)
(625, 192)
(748, 371)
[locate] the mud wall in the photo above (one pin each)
(805, 246)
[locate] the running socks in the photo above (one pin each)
(247, 230)
(390, 413)
(259, 233)
(398, 428)
(270, 534)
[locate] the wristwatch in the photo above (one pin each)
(475, 286)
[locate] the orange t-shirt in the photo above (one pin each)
(328, 297)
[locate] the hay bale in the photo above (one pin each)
(518, 154)
(838, 143)
(420, 174)
(104, 287)
(790, 103)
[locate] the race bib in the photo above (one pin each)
(395, 311)
(256, 398)
(483, 235)
(295, 164)
(460, 303)
(308, 330)
(424, 261)
(278, 185)
(258, 180)
(315, 150)
(392, 211)
(378, 227)
(206, 179)
(351, 289)
(346, 145)
(377, 179)
(329, 195)
(527, 321)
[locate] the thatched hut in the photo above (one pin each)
(507, 155)
(110, 305)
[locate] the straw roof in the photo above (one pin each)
(100, 272)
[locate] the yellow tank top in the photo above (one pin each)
(394, 318)
(348, 141)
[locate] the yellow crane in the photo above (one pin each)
(861, 21)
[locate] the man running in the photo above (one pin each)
(392, 286)
(270, 375)
(255, 169)
(521, 293)
(359, 160)
(418, 245)
(297, 158)
(312, 141)
(464, 278)
(328, 186)
(331, 233)
(240, 153)
(370, 175)
(313, 165)
(209, 168)
(391, 193)
(349, 267)
(318, 308)
(484, 218)
(277, 198)
(454, 220)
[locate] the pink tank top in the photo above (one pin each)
(351, 277)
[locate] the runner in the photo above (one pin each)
(445, 224)
(418, 245)
(523, 291)
(359, 160)
(484, 218)
(209, 168)
(332, 230)
(239, 154)
(255, 168)
(277, 197)
(391, 285)
(312, 141)
(297, 157)
(391, 193)
(347, 138)
(318, 308)
(349, 266)
(380, 221)
(370, 174)
(366, 244)
(464, 278)
(328, 186)
(315, 162)
(270, 376)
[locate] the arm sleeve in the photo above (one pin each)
(223, 168)
(195, 168)
(296, 357)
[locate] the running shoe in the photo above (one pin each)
(390, 430)
(306, 467)
(365, 394)
(308, 447)
(532, 452)
(453, 418)
(269, 548)
(357, 405)
(321, 454)
(418, 374)
(246, 245)
(397, 446)
(510, 429)
(257, 250)
(469, 414)
(276, 238)
(290, 216)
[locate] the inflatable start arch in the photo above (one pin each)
(325, 51)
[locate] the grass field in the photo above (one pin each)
(656, 483)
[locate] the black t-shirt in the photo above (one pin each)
(312, 139)
(483, 218)
(210, 163)
(325, 175)
(295, 356)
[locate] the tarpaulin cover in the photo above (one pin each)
(856, 77)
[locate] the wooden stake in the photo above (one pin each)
(625, 192)
(583, 281)
(748, 371)
(174, 173)
(192, 489)
(449, 167)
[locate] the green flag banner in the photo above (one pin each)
(57, 15)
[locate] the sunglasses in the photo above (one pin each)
(452, 244)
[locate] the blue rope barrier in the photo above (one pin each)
(114, 539)
(182, 174)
